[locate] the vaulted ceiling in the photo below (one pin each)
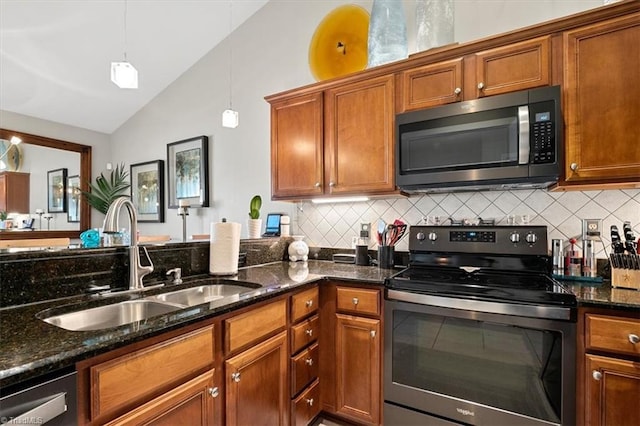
(55, 55)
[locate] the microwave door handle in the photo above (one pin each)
(523, 135)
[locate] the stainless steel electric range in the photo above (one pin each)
(478, 332)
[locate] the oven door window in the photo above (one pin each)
(502, 366)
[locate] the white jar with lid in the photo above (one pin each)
(285, 227)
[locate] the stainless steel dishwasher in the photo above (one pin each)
(51, 401)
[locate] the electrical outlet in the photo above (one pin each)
(365, 230)
(591, 229)
(354, 241)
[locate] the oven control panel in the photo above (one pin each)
(530, 240)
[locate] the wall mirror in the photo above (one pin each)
(69, 155)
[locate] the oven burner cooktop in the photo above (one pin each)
(483, 285)
(489, 263)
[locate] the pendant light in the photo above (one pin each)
(123, 74)
(229, 116)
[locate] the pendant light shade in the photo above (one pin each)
(230, 118)
(124, 75)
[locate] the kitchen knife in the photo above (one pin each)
(616, 243)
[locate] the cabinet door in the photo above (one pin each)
(358, 370)
(190, 403)
(431, 85)
(514, 67)
(601, 102)
(612, 392)
(359, 154)
(14, 192)
(257, 384)
(297, 147)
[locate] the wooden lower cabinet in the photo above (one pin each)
(257, 384)
(306, 406)
(358, 351)
(189, 404)
(612, 389)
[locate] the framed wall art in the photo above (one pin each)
(188, 178)
(73, 198)
(147, 190)
(57, 191)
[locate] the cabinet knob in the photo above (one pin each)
(480, 86)
(309, 361)
(332, 184)
(633, 338)
(457, 91)
(373, 333)
(235, 377)
(214, 392)
(574, 166)
(309, 332)
(309, 303)
(596, 375)
(310, 402)
(317, 185)
(355, 301)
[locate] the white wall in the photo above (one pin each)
(269, 54)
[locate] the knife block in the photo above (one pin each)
(626, 278)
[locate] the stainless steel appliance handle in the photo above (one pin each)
(523, 132)
(44, 412)
(532, 311)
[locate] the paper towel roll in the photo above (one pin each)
(225, 248)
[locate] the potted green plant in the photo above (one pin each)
(254, 224)
(3, 217)
(106, 189)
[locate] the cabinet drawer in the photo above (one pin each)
(304, 333)
(613, 334)
(304, 303)
(304, 368)
(305, 407)
(252, 326)
(145, 373)
(362, 301)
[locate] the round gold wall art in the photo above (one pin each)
(10, 156)
(339, 44)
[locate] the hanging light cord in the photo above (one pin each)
(125, 31)
(230, 55)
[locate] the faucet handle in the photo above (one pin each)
(177, 275)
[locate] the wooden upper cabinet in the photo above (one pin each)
(514, 67)
(14, 192)
(359, 143)
(297, 148)
(431, 85)
(602, 102)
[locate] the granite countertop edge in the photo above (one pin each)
(32, 348)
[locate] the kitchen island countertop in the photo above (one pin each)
(31, 347)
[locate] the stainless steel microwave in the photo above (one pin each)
(506, 141)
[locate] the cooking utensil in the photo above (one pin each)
(630, 239)
(616, 243)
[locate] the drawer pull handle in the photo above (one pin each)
(633, 338)
(373, 334)
(596, 375)
(309, 361)
(309, 332)
(214, 392)
(355, 301)
(310, 402)
(309, 303)
(235, 377)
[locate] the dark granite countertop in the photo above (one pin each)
(31, 347)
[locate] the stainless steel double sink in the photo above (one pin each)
(130, 311)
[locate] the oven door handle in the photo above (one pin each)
(504, 308)
(49, 410)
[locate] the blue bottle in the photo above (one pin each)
(387, 33)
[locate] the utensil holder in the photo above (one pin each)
(385, 257)
(626, 278)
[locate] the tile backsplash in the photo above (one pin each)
(334, 225)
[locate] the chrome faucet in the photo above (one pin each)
(136, 270)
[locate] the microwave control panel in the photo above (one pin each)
(543, 141)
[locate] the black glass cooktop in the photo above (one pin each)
(488, 285)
